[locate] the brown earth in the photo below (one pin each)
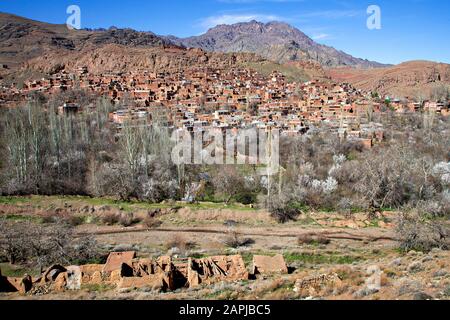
(32, 49)
(342, 267)
(119, 58)
(23, 39)
(406, 79)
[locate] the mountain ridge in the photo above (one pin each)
(32, 49)
(276, 41)
(23, 39)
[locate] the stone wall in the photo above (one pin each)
(123, 271)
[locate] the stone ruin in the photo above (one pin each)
(268, 265)
(216, 269)
(123, 271)
(10, 284)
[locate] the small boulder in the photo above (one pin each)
(397, 262)
(418, 296)
(364, 292)
(440, 273)
(415, 266)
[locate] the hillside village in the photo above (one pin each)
(200, 99)
(350, 202)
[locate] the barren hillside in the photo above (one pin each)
(275, 41)
(119, 58)
(23, 39)
(406, 79)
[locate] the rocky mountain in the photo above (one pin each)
(119, 58)
(31, 49)
(23, 39)
(276, 41)
(406, 79)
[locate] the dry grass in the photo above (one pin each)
(75, 220)
(234, 240)
(179, 241)
(214, 215)
(151, 223)
(128, 219)
(312, 239)
(110, 218)
(49, 218)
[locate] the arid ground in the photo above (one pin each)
(317, 247)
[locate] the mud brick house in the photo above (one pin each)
(192, 97)
(69, 108)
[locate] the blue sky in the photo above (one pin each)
(411, 29)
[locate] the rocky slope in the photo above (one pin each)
(119, 58)
(275, 41)
(30, 49)
(23, 39)
(406, 79)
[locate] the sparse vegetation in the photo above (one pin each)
(235, 240)
(314, 259)
(41, 245)
(418, 232)
(151, 223)
(321, 171)
(110, 218)
(98, 288)
(127, 220)
(312, 239)
(282, 208)
(179, 241)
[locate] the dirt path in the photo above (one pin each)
(362, 235)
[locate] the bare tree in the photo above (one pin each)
(37, 127)
(44, 245)
(228, 182)
(417, 232)
(11, 245)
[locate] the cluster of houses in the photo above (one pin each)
(200, 99)
(402, 106)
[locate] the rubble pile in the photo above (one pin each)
(314, 284)
(124, 271)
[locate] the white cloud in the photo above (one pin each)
(320, 36)
(330, 14)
